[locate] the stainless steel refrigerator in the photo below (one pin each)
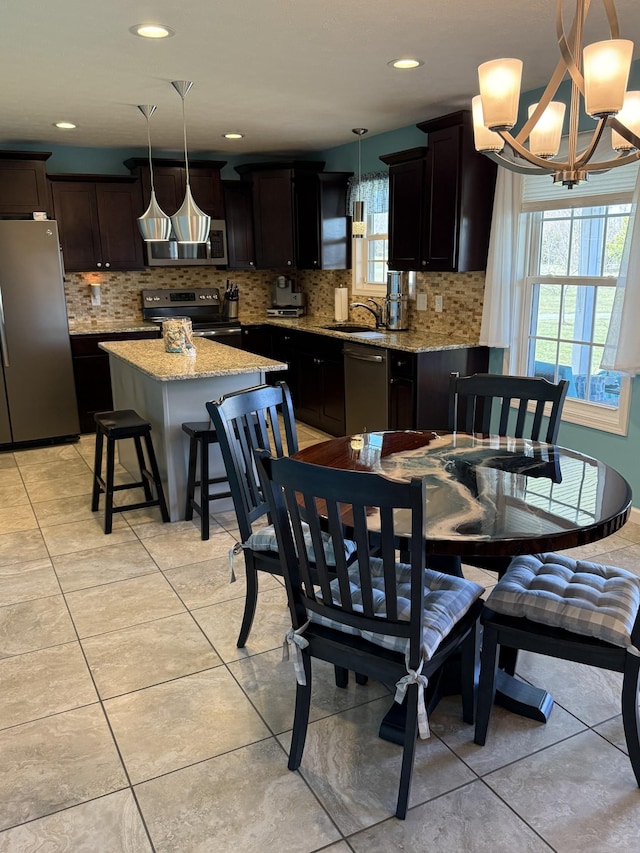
(37, 389)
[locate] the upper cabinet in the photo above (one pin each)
(169, 178)
(440, 200)
(97, 222)
(299, 215)
(322, 226)
(238, 214)
(23, 183)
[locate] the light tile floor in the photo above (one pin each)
(129, 720)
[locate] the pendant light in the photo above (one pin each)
(358, 222)
(154, 224)
(190, 224)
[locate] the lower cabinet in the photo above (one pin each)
(419, 384)
(319, 382)
(91, 373)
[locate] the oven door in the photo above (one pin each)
(231, 336)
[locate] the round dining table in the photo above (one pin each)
(490, 496)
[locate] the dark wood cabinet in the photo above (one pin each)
(318, 368)
(23, 183)
(321, 223)
(97, 222)
(169, 178)
(238, 214)
(441, 200)
(419, 384)
(299, 215)
(92, 375)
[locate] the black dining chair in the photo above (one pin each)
(393, 622)
(569, 609)
(515, 406)
(501, 405)
(259, 417)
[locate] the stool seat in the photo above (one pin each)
(123, 423)
(114, 426)
(201, 436)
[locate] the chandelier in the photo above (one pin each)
(599, 74)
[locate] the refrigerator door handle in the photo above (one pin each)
(3, 335)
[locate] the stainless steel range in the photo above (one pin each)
(202, 305)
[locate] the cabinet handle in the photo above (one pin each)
(318, 360)
(98, 264)
(288, 263)
(424, 263)
(287, 337)
(107, 264)
(400, 363)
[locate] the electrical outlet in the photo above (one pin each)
(422, 302)
(95, 295)
(438, 304)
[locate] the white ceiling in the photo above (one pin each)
(293, 75)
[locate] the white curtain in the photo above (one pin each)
(373, 191)
(622, 349)
(504, 265)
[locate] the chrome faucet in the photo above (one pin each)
(377, 311)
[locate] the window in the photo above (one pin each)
(572, 251)
(575, 256)
(370, 253)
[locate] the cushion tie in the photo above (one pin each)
(237, 548)
(415, 677)
(294, 639)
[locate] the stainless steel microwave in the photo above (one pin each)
(170, 253)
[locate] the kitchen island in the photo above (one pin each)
(168, 389)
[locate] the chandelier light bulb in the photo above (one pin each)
(500, 92)
(484, 139)
(544, 139)
(606, 74)
(629, 115)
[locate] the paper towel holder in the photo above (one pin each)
(341, 304)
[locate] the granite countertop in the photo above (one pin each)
(210, 360)
(106, 327)
(408, 341)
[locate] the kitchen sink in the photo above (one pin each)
(348, 328)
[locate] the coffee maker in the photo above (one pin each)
(396, 304)
(286, 301)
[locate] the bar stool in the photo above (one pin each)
(201, 436)
(115, 426)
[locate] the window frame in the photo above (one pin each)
(582, 412)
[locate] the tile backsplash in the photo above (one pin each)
(120, 295)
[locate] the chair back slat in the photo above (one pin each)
(347, 505)
(471, 400)
(245, 421)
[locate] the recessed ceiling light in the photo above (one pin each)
(233, 135)
(152, 31)
(405, 63)
(65, 125)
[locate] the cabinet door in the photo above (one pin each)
(119, 205)
(239, 218)
(169, 185)
(76, 211)
(206, 188)
(273, 218)
(406, 199)
(257, 339)
(441, 204)
(307, 205)
(283, 348)
(23, 186)
(332, 408)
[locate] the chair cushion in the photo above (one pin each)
(586, 598)
(447, 598)
(265, 540)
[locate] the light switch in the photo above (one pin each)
(422, 302)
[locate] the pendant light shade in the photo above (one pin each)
(154, 224)
(358, 221)
(189, 223)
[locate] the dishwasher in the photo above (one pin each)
(366, 387)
